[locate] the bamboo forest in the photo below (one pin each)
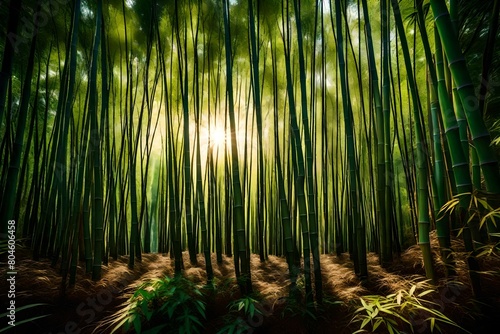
(250, 166)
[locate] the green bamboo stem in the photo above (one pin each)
(95, 151)
(11, 186)
(384, 135)
(238, 205)
(354, 210)
(311, 192)
(297, 163)
(465, 89)
(421, 152)
(8, 56)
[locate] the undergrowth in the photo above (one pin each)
(394, 304)
(162, 305)
(241, 315)
(399, 312)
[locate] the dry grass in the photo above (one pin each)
(38, 282)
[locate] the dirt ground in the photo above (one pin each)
(88, 306)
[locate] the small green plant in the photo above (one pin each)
(241, 310)
(163, 305)
(297, 307)
(479, 208)
(398, 311)
(491, 250)
(249, 305)
(225, 286)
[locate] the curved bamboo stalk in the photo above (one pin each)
(422, 151)
(465, 90)
(242, 257)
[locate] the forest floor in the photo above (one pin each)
(88, 305)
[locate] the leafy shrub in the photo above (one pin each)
(163, 305)
(398, 311)
(240, 309)
(479, 209)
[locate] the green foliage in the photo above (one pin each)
(297, 307)
(4, 245)
(398, 311)
(490, 251)
(244, 308)
(225, 285)
(163, 305)
(248, 304)
(479, 208)
(23, 315)
(235, 326)
(495, 129)
(296, 304)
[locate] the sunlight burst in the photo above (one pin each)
(217, 137)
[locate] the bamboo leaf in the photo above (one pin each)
(21, 322)
(366, 306)
(424, 293)
(377, 323)
(390, 328)
(366, 321)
